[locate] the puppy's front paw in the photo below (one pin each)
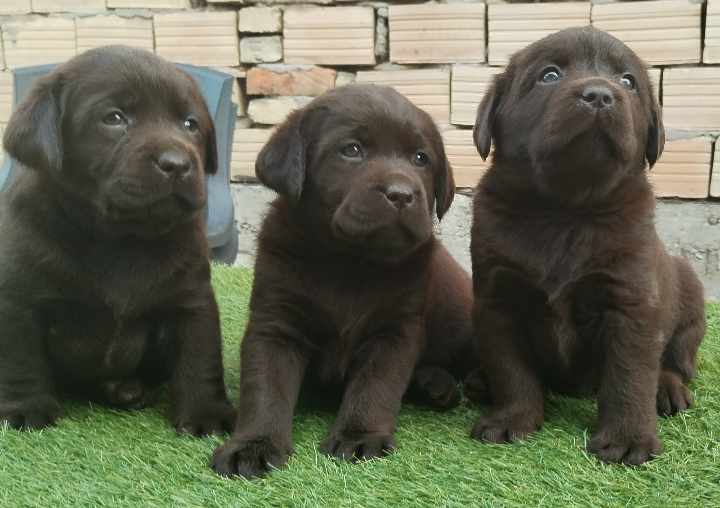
(249, 458)
(357, 445)
(505, 427)
(672, 396)
(611, 445)
(213, 418)
(31, 414)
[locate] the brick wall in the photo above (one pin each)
(441, 55)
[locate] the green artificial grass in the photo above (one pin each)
(99, 457)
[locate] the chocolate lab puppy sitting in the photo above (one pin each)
(574, 290)
(104, 277)
(351, 289)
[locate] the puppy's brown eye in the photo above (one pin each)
(352, 151)
(421, 159)
(191, 124)
(115, 119)
(628, 81)
(550, 74)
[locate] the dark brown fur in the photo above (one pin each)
(349, 292)
(104, 277)
(574, 290)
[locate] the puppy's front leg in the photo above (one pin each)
(197, 388)
(365, 425)
(27, 399)
(627, 397)
(271, 375)
(515, 389)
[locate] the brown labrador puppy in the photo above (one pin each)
(351, 288)
(574, 290)
(104, 277)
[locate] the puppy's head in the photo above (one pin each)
(576, 111)
(364, 164)
(121, 133)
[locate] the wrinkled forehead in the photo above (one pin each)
(388, 125)
(132, 86)
(384, 132)
(584, 50)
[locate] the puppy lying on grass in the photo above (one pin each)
(104, 276)
(351, 289)
(574, 290)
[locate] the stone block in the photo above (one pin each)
(661, 32)
(285, 80)
(437, 33)
(683, 170)
(207, 38)
(329, 35)
(261, 49)
(247, 143)
(38, 40)
(96, 31)
(468, 86)
(460, 149)
(428, 89)
(260, 20)
(691, 98)
(274, 110)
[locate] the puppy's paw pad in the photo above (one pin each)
(206, 420)
(249, 458)
(615, 447)
(503, 428)
(672, 396)
(357, 446)
(33, 414)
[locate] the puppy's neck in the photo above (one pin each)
(68, 215)
(514, 190)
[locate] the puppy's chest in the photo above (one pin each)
(564, 271)
(554, 255)
(127, 285)
(89, 342)
(350, 317)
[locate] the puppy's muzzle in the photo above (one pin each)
(173, 163)
(597, 97)
(400, 194)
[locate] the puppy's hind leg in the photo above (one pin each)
(125, 394)
(679, 357)
(27, 389)
(434, 387)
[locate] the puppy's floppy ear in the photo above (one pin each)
(656, 136)
(444, 181)
(281, 162)
(483, 130)
(211, 151)
(34, 133)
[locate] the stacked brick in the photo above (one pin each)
(441, 55)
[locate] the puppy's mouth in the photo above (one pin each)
(575, 126)
(149, 209)
(382, 235)
(136, 198)
(591, 142)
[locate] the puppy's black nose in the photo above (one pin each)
(598, 96)
(399, 194)
(174, 162)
